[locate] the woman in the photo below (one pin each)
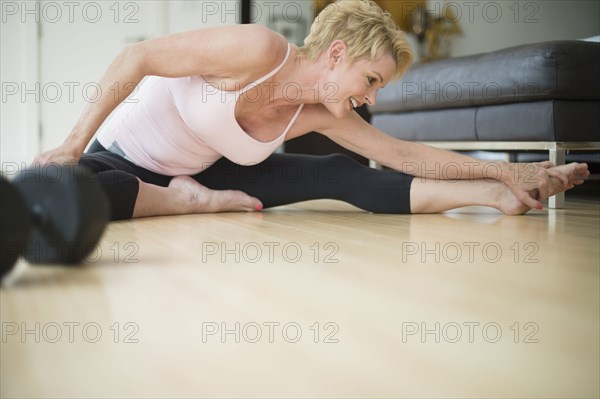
(218, 102)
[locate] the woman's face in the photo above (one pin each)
(352, 84)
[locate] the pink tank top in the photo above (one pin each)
(181, 126)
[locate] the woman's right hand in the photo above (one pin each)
(59, 155)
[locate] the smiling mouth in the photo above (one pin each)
(353, 103)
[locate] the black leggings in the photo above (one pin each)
(279, 180)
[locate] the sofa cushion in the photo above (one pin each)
(540, 121)
(552, 120)
(555, 70)
(436, 125)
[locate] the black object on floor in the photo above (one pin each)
(51, 214)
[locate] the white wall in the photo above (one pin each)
(19, 112)
(490, 25)
(293, 17)
(184, 15)
(75, 52)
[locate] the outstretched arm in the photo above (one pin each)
(428, 162)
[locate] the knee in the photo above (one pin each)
(89, 163)
(94, 163)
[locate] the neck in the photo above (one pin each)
(300, 82)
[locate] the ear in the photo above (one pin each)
(336, 53)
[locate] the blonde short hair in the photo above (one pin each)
(366, 29)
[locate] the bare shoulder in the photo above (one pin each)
(215, 51)
(261, 43)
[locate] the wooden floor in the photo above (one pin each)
(315, 300)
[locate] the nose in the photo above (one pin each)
(371, 99)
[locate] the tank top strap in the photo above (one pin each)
(267, 76)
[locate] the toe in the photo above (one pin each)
(248, 203)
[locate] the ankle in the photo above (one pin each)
(495, 192)
(183, 200)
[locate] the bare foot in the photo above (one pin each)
(510, 205)
(200, 199)
(575, 173)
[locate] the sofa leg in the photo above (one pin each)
(509, 157)
(557, 157)
(375, 165)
